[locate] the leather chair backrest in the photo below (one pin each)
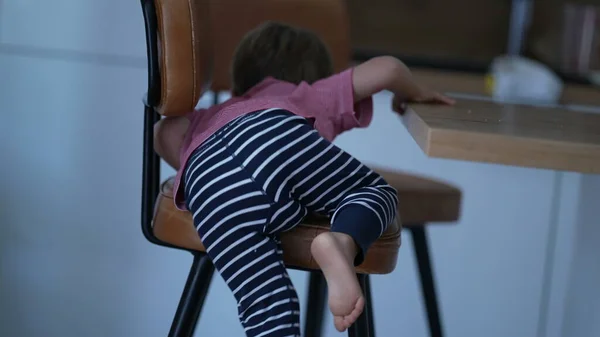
(184, 54)
(196, 40)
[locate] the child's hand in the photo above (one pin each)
(424, 96)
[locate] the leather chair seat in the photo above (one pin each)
(421, 200)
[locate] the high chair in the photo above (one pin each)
(189, 45)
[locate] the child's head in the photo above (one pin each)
(280, 51)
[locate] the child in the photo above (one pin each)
(254, 166)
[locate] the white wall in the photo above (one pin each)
(73, 261)
(582, 300)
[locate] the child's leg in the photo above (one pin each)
(257, 179)
(361, 205)
(300, 170)
(230, 213)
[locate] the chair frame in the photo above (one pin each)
(202, 269)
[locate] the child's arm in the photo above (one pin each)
(389, 73)
(168, 137)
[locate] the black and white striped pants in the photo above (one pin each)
(259, 176)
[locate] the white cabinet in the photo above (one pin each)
(582, 298)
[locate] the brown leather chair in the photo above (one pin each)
(182, 60)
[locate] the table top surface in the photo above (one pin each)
(521, 135)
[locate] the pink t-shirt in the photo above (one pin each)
(329, 102)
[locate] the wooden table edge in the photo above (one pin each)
(426, 136)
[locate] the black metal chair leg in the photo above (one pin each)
(192, 299)
(216, 98)
(315, 307)
(427, 283)
(361, 328)
(369, 305)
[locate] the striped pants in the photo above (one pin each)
(259, 176)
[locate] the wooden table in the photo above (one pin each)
(483, 131)
(559, 139)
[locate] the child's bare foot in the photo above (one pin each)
(335, 253)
